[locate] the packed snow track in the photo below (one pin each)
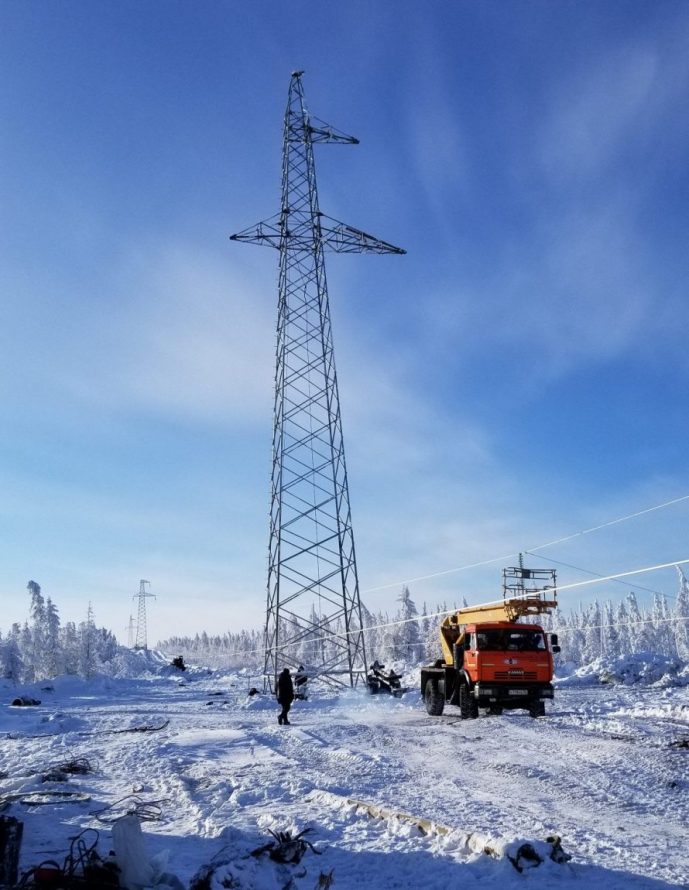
(605, 771)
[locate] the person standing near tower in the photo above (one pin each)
(285, 696)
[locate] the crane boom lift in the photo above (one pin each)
(507, 610)
(493, 659)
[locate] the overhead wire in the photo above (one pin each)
(562, 540)
(598, 575)
(595, 528)
(443, 612)
(532, 550)
(678, 619)
(565, 628)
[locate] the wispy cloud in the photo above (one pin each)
(183, 336)
(613, 101)
(575, 289)
(393, 425)
(579, 289)
(207, 340)
(593, 113)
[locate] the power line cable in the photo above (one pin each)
(443, 612)
(598, 575)
(565, 628)
(595, 528)
(559, 589)
(485, 562)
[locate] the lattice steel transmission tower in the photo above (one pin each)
(130, 632)
(141, 641)
(313, 610)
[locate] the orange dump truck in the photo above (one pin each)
(493, 660)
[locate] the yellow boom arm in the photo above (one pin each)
(510, 610)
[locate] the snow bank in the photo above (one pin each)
(643, 667)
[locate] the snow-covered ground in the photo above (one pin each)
(606, 771)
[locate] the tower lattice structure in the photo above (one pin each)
(141, 641)
(313, 613)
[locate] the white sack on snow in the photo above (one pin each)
(135, 867)
(137, 870)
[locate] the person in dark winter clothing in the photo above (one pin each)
(285, 695)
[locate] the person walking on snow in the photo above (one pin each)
(285, 696)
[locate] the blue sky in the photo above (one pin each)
(520, 375)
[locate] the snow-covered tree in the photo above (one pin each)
(53, 660)
(36, 657)
(639, 629)
(429, 635)
(611, 632)
(105, 645)
(409, 637)
(370, 633)
(70, 647)
(622, 628)
(592, 626)
(37, 608)
(11, 663)
(663, 636)
(87, 645)
(26, 647)
(681, 617)
(309, 646)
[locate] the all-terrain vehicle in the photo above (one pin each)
(378, 680)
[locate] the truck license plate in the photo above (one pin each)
(519, 691)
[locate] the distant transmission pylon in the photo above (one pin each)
(130, 632)
(141, 640)
(313, 610)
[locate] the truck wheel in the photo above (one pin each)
(495, 709)
(435, 701)
(537, 709)
(468, 706)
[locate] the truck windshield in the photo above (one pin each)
(512, 640)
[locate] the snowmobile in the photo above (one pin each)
(379, 681)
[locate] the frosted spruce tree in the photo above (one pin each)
(622, 628)
(681, 617)
(53, 661)
(409, 637)
(663, 631)
(639, 629)
(35, 655)
(611, 632)
(11, 663)
(87, 645)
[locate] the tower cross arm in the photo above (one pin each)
(267, 232)
(341, 238)
(319, 132)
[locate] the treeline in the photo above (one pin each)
(43, 648)
(238, 650)
(411, 637)
(613, 629)
(385, 637)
